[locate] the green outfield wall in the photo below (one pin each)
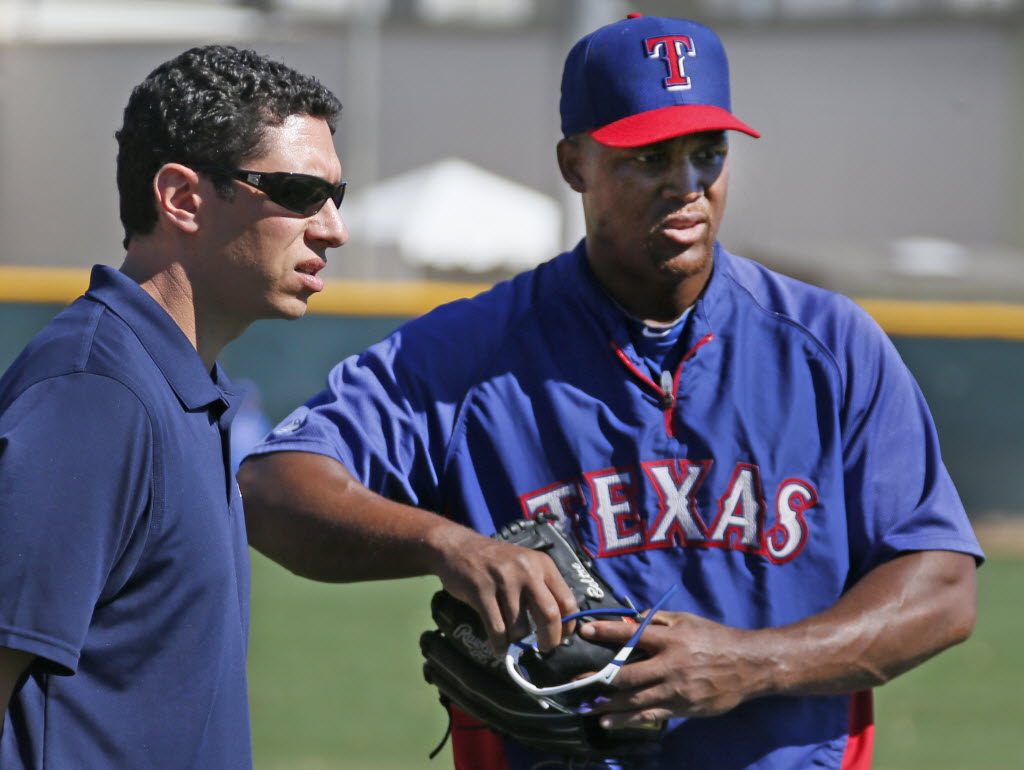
(967, 357)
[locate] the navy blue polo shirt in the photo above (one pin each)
(123, 558)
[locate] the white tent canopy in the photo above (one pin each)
(453, 215)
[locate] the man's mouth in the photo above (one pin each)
(308, 270)
(685, 230)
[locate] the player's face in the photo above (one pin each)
(652, 216)
(262, 258)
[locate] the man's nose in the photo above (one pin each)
(685, 178)
(328, 226)
(693, 174)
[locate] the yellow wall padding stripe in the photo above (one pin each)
(42, 284)
(388, 298)
(901, 318)
(989, 320)
(62, 285)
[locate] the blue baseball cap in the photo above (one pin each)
(645, 79)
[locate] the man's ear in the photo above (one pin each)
(178, 198)
(570, 160)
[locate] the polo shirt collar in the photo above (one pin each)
(164, 340)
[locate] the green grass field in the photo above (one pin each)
(335, 681)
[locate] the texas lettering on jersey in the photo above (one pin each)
(742, 518)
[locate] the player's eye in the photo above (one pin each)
(651, 158)
(710, 156)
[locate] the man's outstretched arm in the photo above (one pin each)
(309, 514)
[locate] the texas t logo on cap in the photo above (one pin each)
(671, 48)
(646, 79)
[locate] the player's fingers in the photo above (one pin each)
(557, 585)
(652, 717)
(562, 594)
(491, 613)
(651, 693)
(665, 618)
(550, 601)
(520, 608)
(608, 631)
(508, 575)
(655, 637)
(642, 676)
(547, 618)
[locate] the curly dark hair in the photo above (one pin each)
(210, 105)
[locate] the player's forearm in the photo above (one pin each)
(897, 616)
(306, 512)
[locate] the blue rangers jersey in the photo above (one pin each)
(784, 451)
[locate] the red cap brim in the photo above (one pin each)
(666, 123)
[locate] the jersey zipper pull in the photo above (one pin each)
(668, 397)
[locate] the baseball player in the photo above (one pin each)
(698, 420)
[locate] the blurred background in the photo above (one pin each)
(891, 168)
(890, 162)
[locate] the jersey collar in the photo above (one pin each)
(165, 342)
(707, 316)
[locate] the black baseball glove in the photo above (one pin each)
(462, 665)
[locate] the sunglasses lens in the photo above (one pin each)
(302, 195)
(338, 194)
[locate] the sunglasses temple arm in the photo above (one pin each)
(612, 669)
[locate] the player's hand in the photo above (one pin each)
(696, 668)
(507, 585)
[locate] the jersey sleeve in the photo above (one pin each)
(384, 415)
(75, 474)
(899, 494)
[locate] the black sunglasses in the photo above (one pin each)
(302, 193)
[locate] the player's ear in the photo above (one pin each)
(178, 197)
(570, 159)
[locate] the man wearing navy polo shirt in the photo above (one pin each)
(123, 558)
